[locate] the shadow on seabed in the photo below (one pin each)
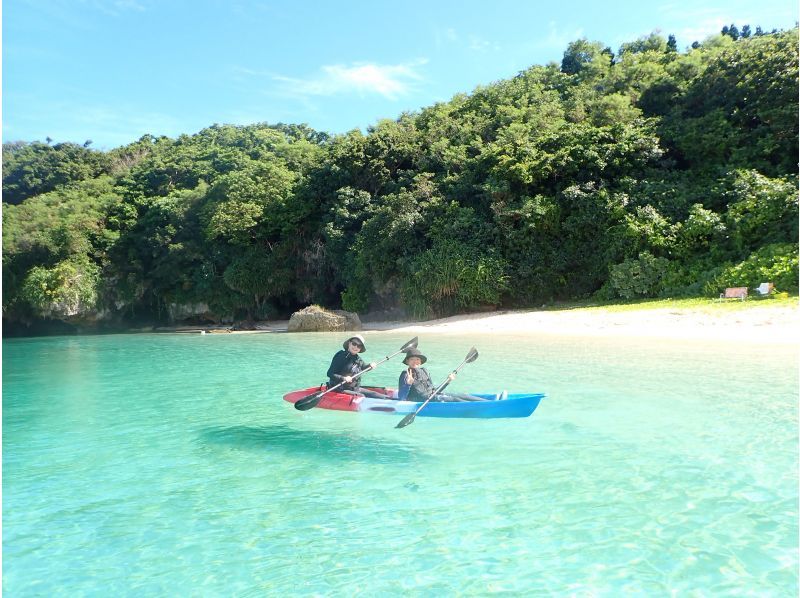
(317, 444)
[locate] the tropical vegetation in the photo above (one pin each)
(645, 172)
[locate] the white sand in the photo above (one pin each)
(767, 324)
(763, 323)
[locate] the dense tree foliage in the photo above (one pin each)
(33, 168)
(649, 172)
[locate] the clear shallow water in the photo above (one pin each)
(168, 464)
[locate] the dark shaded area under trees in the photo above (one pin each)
(649, 172)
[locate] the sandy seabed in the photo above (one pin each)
(758, 324)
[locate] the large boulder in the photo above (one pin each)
(318, 319)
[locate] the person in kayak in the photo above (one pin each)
(415, 382)
(346, 364)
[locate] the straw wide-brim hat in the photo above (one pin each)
(358, 338)
(415, 353)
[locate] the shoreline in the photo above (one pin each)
(762, 324)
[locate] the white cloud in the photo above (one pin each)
(115, 8)
(107, 125)
(390, 81)
(248, 72)
(700, 30)
(129, 4)
(559, 39)
(479, 44)
(711, 26)
(707, 20)
(444, 37)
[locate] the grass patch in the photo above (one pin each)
(701, 304)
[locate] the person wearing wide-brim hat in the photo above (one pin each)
(415, 382)
(346, 364)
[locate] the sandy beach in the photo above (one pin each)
(766, 324)
(758, 324)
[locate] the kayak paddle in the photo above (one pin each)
(408, 419)
(312, 401)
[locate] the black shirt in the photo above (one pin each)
(344, 364)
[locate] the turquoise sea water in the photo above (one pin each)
(169, 465)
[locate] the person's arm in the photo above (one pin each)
(364, 366)
(403, 386)
(336, 366)
(332, 368)
(367, 366)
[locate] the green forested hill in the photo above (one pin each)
(648, 172)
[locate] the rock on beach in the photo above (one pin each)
(317, 319)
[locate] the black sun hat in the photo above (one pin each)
(414, 353)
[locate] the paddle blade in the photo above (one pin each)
(412, 344)
(472, 355)
(308, 402)
(406, 420)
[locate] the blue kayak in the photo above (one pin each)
(496, 406)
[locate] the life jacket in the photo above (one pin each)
(422, 386)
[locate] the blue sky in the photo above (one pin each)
(114, 70)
